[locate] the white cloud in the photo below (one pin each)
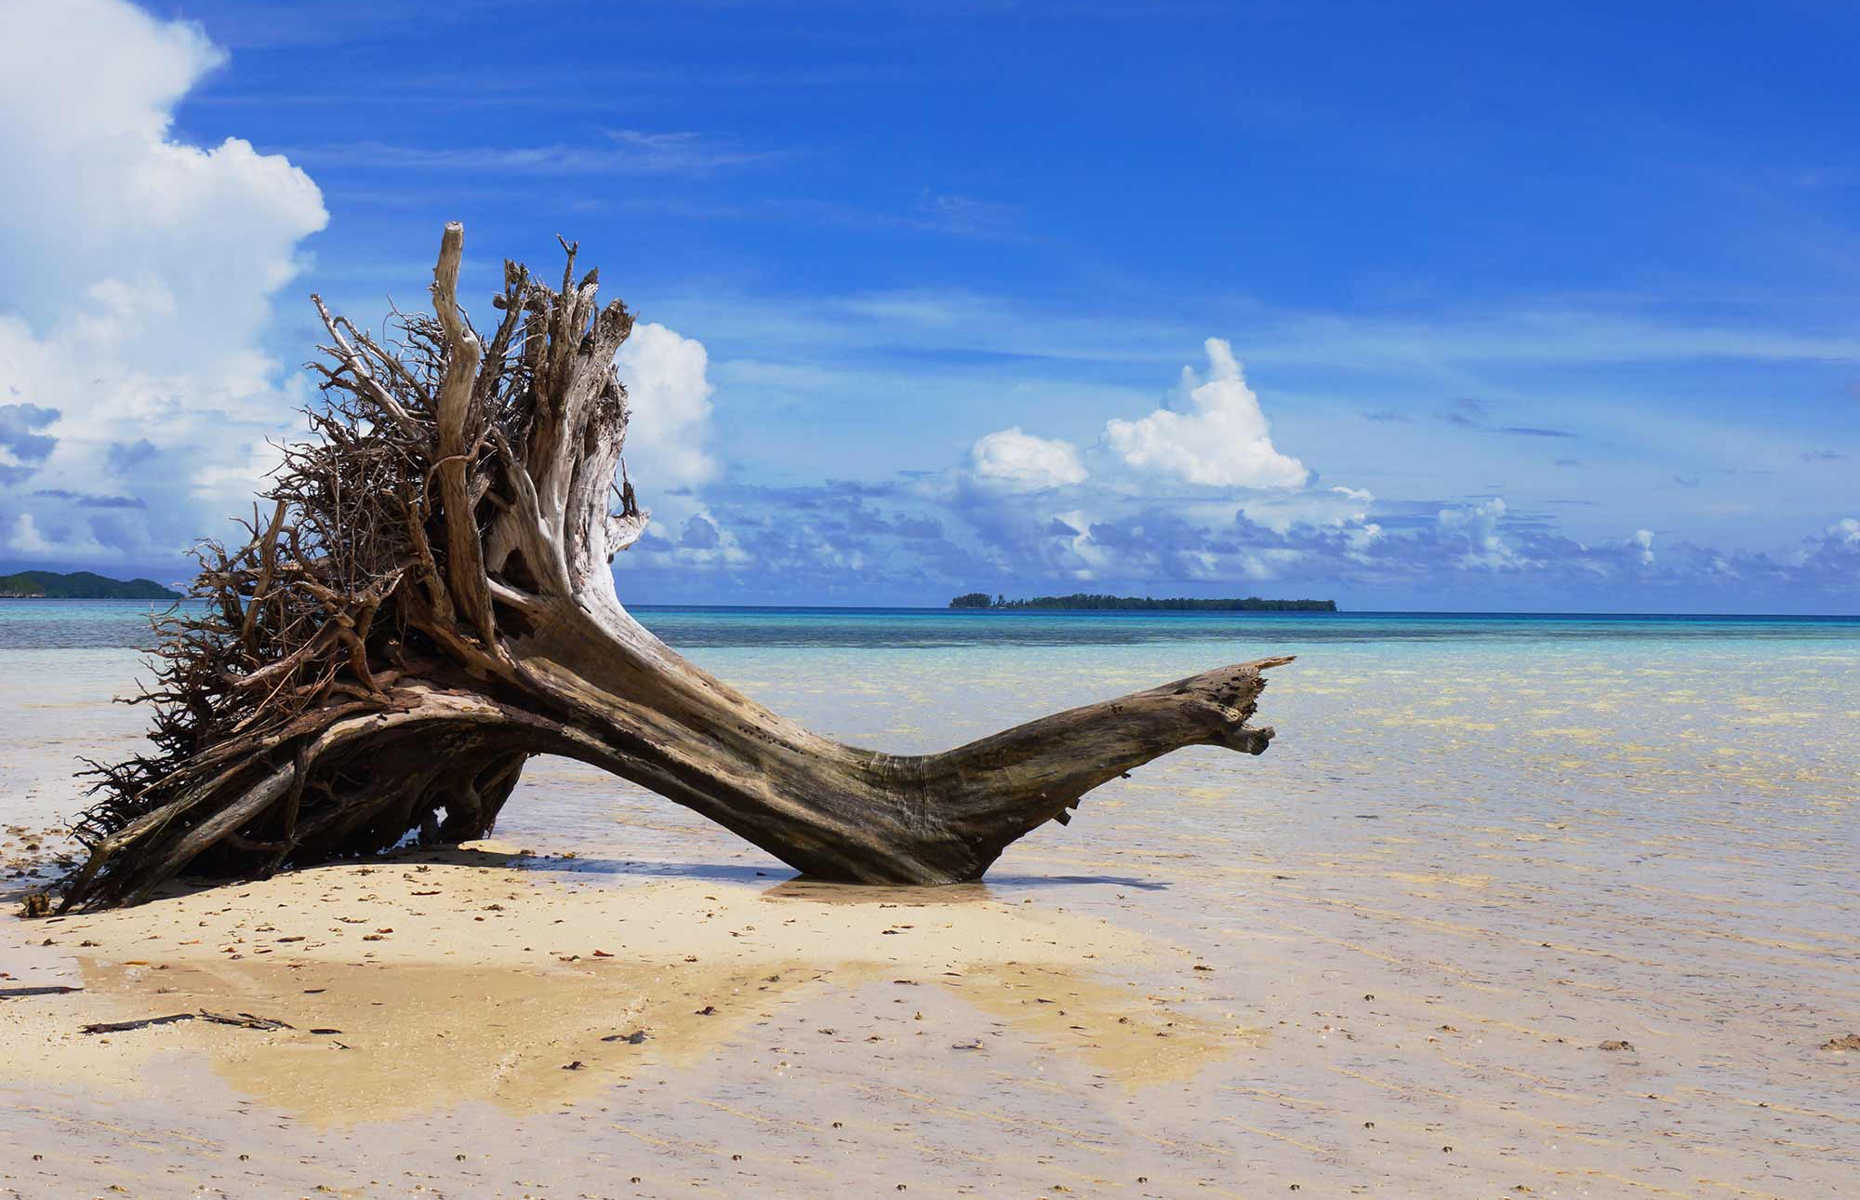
(1478, 524)
(667, 377)
(669, 390)
(1020, 462)
(1138, 527)
(1222, 442)
(1643, 541)
(136, 275)
(67, 541)
(1335, 507)
(25, 536)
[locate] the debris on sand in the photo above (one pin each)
(143, 1023)
(1849, 1042)
(239, 1020)
(1616, 1044)
(243, 1020)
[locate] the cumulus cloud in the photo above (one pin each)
(1222, 441)
(1333, 507)
(916, 540)
(1012, 517)
(668, 387)
(136, 278)
(1020, 462)
(667, 377)
(1476, 527)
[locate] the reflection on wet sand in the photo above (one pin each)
(564, 992)
(369, 1045)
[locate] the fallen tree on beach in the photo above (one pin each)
(428, 602)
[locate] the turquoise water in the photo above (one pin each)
(72, 624)
(76, 624)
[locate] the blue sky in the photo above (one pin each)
(1484, 306)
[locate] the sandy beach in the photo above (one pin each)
(1569, 947)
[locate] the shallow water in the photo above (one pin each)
(70, 624)
(1478, 848)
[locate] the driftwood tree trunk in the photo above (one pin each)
(429, 603)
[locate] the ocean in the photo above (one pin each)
(75, 624)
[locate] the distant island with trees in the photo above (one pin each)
(80, 585)
(1085, 601)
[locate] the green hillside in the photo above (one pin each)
(80, 585)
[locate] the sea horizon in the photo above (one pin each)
(99, 624)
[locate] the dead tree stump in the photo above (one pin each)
(429, 602)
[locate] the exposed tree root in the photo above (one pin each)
(429, 602)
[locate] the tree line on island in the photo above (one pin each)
(1086, 601)
(79, 585)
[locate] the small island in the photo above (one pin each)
(1083, 601)
(80, 585)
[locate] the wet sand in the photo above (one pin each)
(1227, 977)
